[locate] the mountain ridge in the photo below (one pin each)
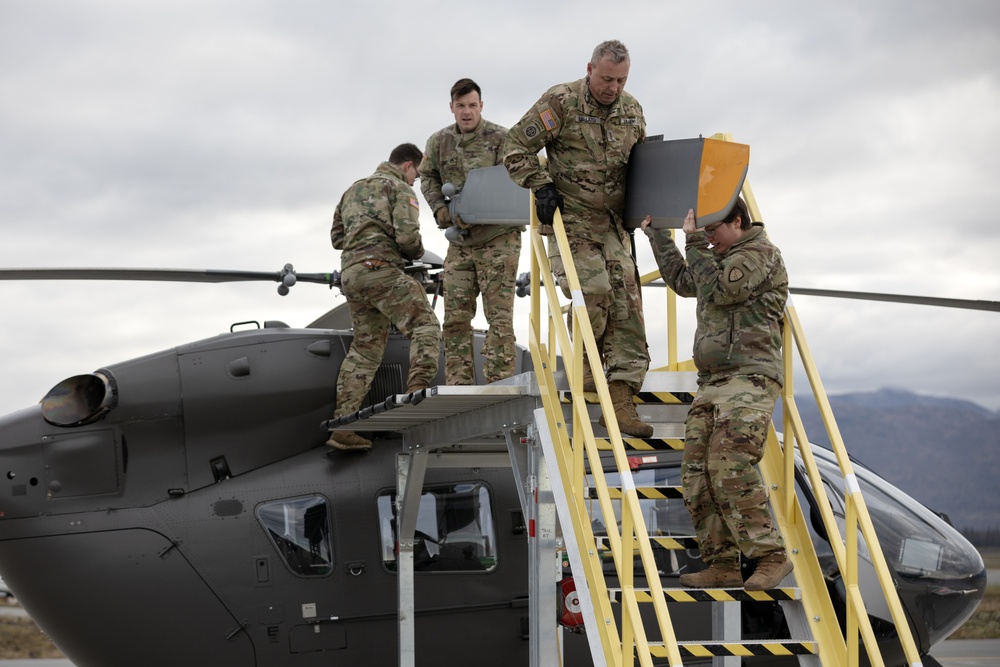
(944, 452)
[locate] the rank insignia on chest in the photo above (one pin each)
(414, 203)
(735, 274)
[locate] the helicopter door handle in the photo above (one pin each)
(356, 567)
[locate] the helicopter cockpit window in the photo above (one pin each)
(299, 528)
(455, 530)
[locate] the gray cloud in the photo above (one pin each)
(221, 135)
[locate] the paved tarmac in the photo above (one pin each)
(968, 652)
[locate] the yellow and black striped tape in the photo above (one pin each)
(650, 492)
(642, 444)
(750, 648)
(713, 595)
(666, 397)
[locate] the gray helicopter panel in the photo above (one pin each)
(667, 178)
(489, 197)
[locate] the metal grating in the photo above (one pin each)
(403, 411)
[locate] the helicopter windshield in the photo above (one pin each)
(915, 541)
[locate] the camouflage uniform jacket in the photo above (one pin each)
(741, 301)
(378, 218)
(449, 157)
(588, 148)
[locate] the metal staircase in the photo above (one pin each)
(575, 476)
(630, 632)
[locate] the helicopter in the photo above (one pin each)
(186, 496)
(181, 508)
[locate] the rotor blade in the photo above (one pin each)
(162, 275)
(971, 304)
(900, 298)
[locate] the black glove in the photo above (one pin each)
(547, 200)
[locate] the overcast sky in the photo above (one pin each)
(221, 135)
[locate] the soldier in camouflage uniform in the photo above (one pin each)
(376, 226)
(481, 258)
(741, 286)
(588, 128)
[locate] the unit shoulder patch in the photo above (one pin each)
(736, 274)
(532, 130)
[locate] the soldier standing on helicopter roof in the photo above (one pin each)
(481, 258)
(588, 128)
(376, 226)
(740, 282)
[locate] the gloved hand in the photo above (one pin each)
(443, 217)
(460, 224)
(547, 200)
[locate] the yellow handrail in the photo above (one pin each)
(857, 518)
(577, 452)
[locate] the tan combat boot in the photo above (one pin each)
(720, 574)
(771, 569)
(349, 441)
(628, 419)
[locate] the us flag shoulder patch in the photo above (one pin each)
(414, 203)
(548, 119)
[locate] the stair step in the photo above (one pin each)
(679, 542)
(665, 436)
(651, 492)
(713, 595)
(709, 649)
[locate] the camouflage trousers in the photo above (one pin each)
(489, 269)
(724, 440)
(379, 298)
(614, 303)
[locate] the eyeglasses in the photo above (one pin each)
(711, 229)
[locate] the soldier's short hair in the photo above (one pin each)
(405, 153)
(740, 209)
(610, 49)
(464, 87)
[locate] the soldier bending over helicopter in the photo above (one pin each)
(376, 226)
